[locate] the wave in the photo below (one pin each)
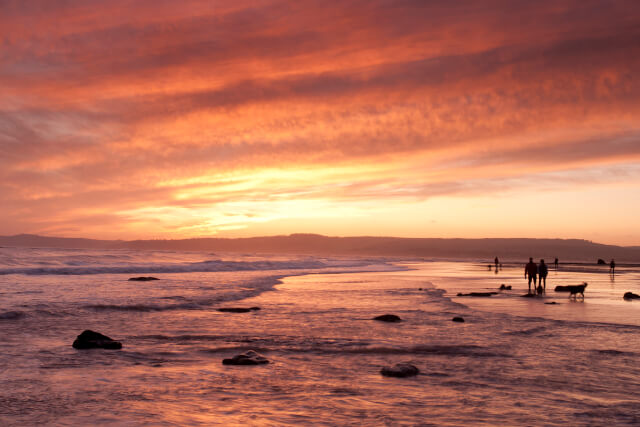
(180, 338)
(612, 352)
(443, 350)
(193, 267)
(138, 307)
(12, 315)
(526, 332)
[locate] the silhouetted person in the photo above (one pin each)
(555, 263)
(542, 275)
(496, 262)
(612, 267)
(531, 270)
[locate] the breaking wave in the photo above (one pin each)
(193, 267)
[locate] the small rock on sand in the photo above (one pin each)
(143, 279)
(458, 319)
(247, 358)
(631, 295)
(400, 370)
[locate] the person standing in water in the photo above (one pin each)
(612, 267)
(555, 263)
(531, 270)
(542, 275)
(497, 263)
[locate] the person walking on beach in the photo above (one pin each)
(542, 275)
(555, 263)
(612, 267)
(531, 270)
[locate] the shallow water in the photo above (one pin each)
(515, 361)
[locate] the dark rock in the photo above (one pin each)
(504, 287)
(528, 295)
(477, 294)
(400, 370)
(247, 358)
(90, 339)
(143, 279)
(458, 319)
(631, 295)
(601, 261)
(238, 309)
(551, 303)
(388, 318)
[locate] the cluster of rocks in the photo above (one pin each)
(89, 339)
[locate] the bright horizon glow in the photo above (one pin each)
(123, 120)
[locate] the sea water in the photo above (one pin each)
(514, 361)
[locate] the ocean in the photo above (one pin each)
(514, 361)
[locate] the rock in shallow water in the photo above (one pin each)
(528, 296)
(143, 279)
(477, 294)
(247, 358)
(458, 319)
(90, 339)
(388, 318)
(238, 309)
(631, 295)
(400, 370)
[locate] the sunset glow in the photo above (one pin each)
(156, 119)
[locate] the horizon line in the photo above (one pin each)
(324, 236)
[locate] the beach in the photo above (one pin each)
(513, 361)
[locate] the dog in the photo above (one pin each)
(574, 290)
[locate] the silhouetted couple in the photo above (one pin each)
(532, 271)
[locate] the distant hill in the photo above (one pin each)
(313, 244)
(35, 241)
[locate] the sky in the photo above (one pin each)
(415, 118)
